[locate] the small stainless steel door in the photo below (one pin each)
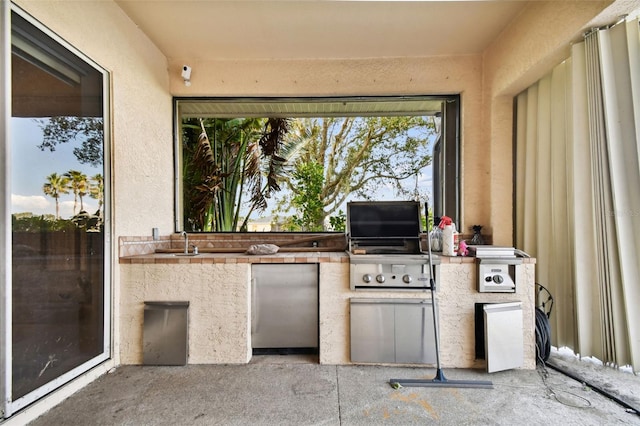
(504, 338)
(284, 306)
(372, 332)
(165, 337)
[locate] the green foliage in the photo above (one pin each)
(47, 223)
(96, 189)
(55, 186)
(89, 130)
(338, 222)
(322, 161)
(219, 170)
(307, 180)
(361, 154)
(78, 183)
(42, 223)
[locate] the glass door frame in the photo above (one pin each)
(9, 406)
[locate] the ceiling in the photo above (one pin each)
(304, 29)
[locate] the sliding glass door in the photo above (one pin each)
(57, 322)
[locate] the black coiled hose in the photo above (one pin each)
(543, 336)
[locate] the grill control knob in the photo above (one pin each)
(366, 278)
(380, 278)
(498, 279)
(407, 279)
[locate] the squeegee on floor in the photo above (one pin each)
(439, 380)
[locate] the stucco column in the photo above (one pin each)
(501, 160)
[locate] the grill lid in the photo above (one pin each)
(384, 226)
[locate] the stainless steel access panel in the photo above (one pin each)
(284, 306)
(392, 331)
(504, 340)
(165, 334)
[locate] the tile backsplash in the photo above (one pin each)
(136, 245)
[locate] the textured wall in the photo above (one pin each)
(219, 315)
(143, 148)
(457, 301)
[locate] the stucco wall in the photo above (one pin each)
(218, 312)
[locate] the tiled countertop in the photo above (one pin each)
(206, 258)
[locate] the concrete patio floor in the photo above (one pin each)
(291, 390)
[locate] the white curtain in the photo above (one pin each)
(578, 193)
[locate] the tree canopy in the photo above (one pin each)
(358, 155)
(89, 130)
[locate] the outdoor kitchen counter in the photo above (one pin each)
(218, 287)
(298, 256)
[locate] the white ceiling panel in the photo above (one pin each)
(273, 29)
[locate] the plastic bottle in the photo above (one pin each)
(448, 240)
(448, 236)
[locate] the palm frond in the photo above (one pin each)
(203, 156)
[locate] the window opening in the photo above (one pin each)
(290, 165)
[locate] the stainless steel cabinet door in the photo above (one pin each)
(392, 331)
(415, 340)
(284, 309)
(372, 332)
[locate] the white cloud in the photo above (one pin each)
(40, 205)
(66, 209)
(36, 204)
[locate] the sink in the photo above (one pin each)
(187, 254)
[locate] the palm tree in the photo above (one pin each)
(96, 190)
(55, 186)
(218, 170)
(78, 184)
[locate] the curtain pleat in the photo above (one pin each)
(560, 256)
(578, 193)
(582, 216)
(543, 185)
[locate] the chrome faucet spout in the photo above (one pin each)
(186, 242)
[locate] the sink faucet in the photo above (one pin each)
(186, 242)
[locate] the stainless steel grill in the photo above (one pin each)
(384, 246)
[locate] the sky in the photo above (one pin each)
(31, 166)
